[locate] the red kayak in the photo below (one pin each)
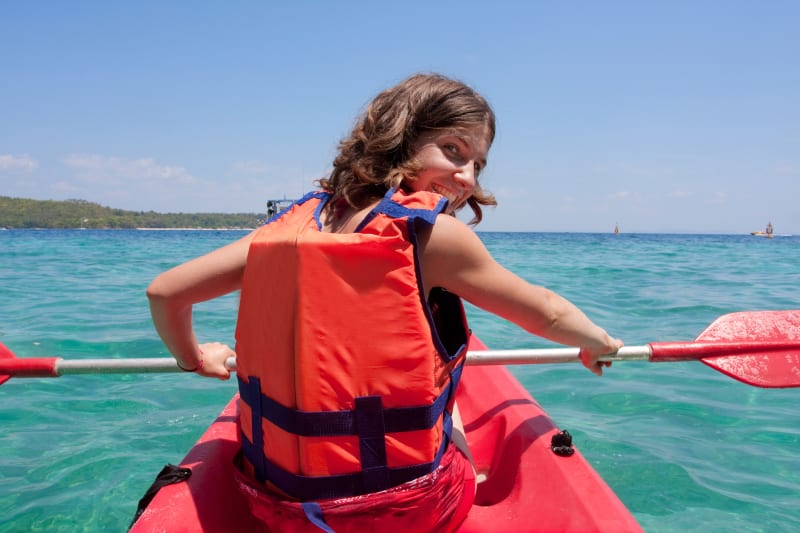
(528, 486)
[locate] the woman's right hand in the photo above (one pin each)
(590, 354)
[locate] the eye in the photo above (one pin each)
(452, 148)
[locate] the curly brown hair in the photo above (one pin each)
(378, 154)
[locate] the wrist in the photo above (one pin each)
(187, 369)
(195, 368)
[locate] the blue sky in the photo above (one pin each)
(674, 116)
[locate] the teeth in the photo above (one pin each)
(447, 194)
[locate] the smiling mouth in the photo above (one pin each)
(452, 197)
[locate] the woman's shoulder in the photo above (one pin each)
(451, 238)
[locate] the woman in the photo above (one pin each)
(351, 334)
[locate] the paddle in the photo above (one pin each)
(760, 348)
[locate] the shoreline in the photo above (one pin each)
(126, 229)
(628, 234)
(189, 229)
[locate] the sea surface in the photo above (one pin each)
(686, 448)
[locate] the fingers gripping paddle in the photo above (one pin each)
(760, 348)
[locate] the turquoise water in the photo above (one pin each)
(686, 448)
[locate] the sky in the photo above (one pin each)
(659, 117)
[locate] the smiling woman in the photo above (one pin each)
(326, 412)
(384, 148)
(449, 163)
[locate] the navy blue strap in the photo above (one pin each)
(372, 442)
(393, 209)
(310, 488)
(258, 460)
(314, 514)
(368, 420)
(340, 423)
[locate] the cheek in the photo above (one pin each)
(420, 181)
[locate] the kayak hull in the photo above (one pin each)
(527, 488)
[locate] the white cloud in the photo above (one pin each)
(148, 184)
(788, 170)
(23, 163)
(628, 196)
(250, 168)
(680, 194)
(115, 170)
(718, 198)
(622, 195)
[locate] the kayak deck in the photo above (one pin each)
(527, 488)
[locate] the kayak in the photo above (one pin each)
(527, 486)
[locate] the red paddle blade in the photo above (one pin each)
(757, 326)
(772, 370)
(776, 364)
(5, 353)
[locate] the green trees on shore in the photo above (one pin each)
(24, 213)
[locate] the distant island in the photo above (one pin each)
(52, 214)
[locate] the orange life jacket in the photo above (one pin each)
(347, 375)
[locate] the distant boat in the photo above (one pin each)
(768, 232)
(276, 206)
(616, 229)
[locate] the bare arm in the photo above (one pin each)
(454, 258)
(173, 293)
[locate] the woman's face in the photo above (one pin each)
(450, 161)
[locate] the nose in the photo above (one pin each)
(465, 176)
